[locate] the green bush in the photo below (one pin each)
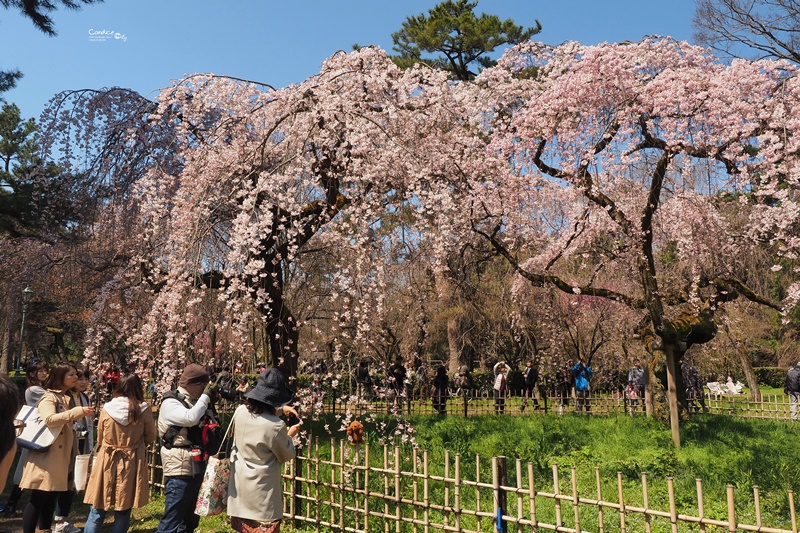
(774, 376)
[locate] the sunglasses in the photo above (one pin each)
(19, 427)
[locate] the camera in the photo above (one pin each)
(228, 394)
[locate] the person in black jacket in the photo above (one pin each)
(792, 388)
(440, 384)
(531, 375)
(363, 380)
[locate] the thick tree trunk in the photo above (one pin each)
(283, 336)
(448, 307)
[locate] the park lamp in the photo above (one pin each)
(27, 293)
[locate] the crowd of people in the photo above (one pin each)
(187, 429)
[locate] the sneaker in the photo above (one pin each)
(66, 527)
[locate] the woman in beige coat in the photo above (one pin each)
(261, 444)
(119, 477)
(47, 472)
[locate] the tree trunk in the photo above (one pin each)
(283, 337)
(448, 307)
(672, 394)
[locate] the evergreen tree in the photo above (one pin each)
(453, 30)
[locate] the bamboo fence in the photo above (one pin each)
(476, 402)
(361, 489)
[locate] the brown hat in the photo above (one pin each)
(193, 374)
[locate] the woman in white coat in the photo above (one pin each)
(261, 444)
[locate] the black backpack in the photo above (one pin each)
(206, 435)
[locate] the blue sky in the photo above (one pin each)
(144, 44)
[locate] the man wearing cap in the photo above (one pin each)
(792, 388)
(180, 413)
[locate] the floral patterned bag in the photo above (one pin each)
(213, 497)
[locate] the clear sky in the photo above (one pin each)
(144, 44)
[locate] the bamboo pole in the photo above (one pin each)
(478, 489)
(332, 488)
(397, 493)
(621, 496)
(575, 510)
(457, 491)
(532, 496)
(700, 504)
(316, 486)
(600, 523)
(673, 512)
(426, 493)
(646, 502)
(446, 513)
(731, 510)
(792, 514)
(520, 503)
(498, 486)
(366, 485)
(341, 485)
(757, 504)
(556, 492)
(385, 488)
(415, 488)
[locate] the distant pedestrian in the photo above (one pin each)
(632, 397)
(636, 377)
(499, 388)
(792, 388)
(440, 384)
(581, 374)
(694, 388)
(564, 381)
(363, 380)
(396, 379)
(531, 376)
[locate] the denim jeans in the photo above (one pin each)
(180, 495)
(94, 524)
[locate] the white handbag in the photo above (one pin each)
(37, 435)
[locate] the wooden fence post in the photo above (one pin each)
(499, 480)
(731, 510)
(297, 489)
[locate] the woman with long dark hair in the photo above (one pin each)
(47, 472)
(119, 477)
(84, 437)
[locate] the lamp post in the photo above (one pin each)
(27, 292)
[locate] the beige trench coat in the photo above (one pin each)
(48, 470)
(119, 476)
(261, 444)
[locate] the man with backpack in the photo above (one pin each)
(187, 429)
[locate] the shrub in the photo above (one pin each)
(774, 376)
